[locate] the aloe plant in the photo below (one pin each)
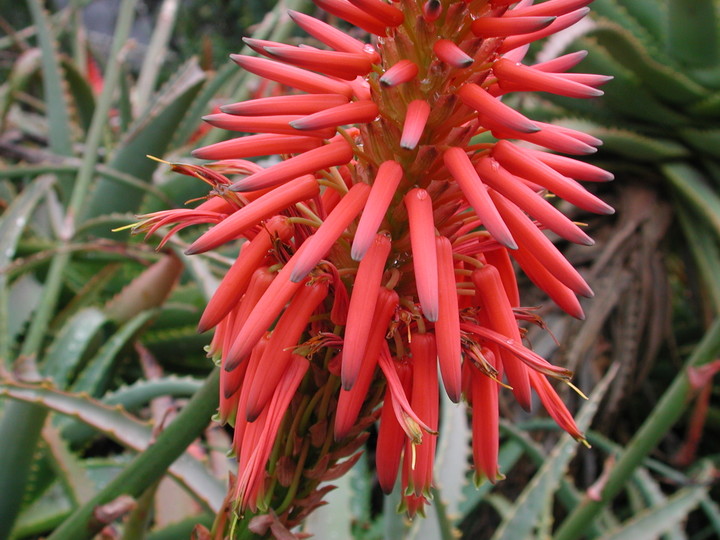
(660, 122)
(75, 297)
(79, 328)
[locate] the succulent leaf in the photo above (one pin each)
(693, 32)
(662, 78)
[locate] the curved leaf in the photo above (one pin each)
(151, 134)
(71, 344)
(662, 79)
(121, 427)
(55, 95)
(531, 503)
(95, 376)
(693, 32)
(704, 140)
(661, 517)
(141, 392)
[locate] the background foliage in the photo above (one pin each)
(95, 366)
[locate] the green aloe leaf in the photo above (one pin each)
(644, 21)
(708, 107)
(625, 94)
(660, 78)
(58, 111)
(44, 513)
(133, 397)
(651, 15)
(14, 220)
(121, 427)
(530, 505)
(654, 497)
(26, 65)
(663, 517)
(693, 187)
(156, 52)
(141, 392)
(703, 140)
(693, 32)
(81, 93)
(149, 466)
(17, 216)
(72, 344)
(149, 135)
(628, 143)
(639, 147)
(667, 411)
(96, 375)
(73, 476)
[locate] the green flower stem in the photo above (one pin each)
(665, 414)
(149, 466)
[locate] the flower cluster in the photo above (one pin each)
(378, 250)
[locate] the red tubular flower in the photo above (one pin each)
(391, 436)
(384, 237)
(491, 297)
(283, 340)
(235, 225)
(485, 421)
(425, 403)
(422, 238)
(402, 72)
(236, 281)
(459, 165)
(447, 326)
(354, 393)
(415, 120)
(362, 306)
(448, 52)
